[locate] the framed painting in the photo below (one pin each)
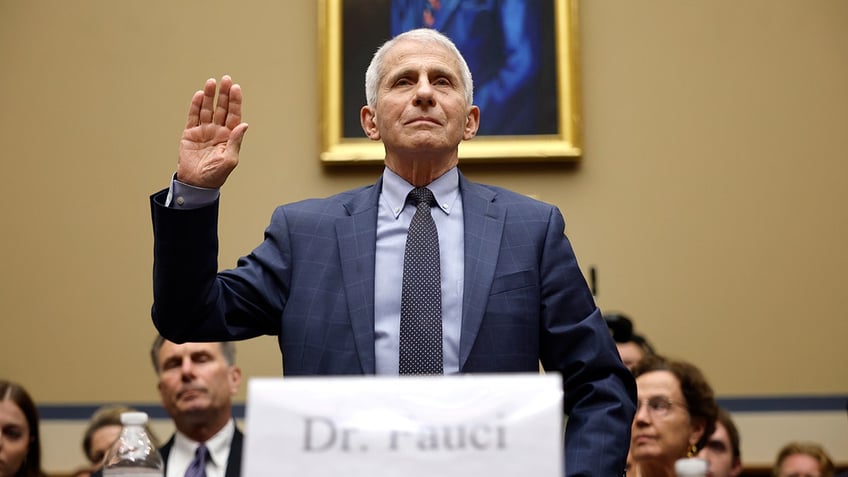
(523, 56)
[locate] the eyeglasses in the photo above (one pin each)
(659, 406)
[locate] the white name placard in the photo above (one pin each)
(483, 425)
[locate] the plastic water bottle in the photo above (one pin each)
(133, 454)
(691, 467)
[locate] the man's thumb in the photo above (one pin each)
(236, 137)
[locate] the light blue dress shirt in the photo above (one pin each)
(393, 218)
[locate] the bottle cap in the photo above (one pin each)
(691, 466)
(133, 418)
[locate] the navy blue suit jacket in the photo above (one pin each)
(311, 283)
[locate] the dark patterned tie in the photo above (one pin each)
(197, 468)
(421, 298)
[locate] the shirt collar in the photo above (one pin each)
(445, 189)
(218, 445)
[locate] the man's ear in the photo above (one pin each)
(368, 119)
(472, 122)
(235, 379)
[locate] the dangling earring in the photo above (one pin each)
(693, 450)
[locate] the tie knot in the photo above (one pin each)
(421, 195)
(202, 453)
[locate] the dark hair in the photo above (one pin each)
(699, 396)
(31, 466)
(723, 417)
(621, 329)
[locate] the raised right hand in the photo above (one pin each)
(209, 148)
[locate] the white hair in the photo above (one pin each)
(375, 70)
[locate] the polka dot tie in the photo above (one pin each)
(197, 468)
(421, 298)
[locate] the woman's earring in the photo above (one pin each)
(693, 450)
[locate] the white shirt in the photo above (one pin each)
(182, 453)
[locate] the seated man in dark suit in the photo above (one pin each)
(197, 382)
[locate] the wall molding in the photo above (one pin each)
(748, 404)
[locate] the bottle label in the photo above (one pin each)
(132, 473)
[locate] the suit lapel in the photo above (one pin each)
(356, 235)
(484, 222)
(165, 450)
(234, 461)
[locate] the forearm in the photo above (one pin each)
(195, 302)
(600, 398)
(185, 265)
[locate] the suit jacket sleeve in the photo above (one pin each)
(192, 302)
(599, 391)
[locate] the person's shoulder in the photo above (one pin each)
(336, 204)
(165, 448)
(509, 198)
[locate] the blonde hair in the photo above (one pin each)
(109, 415)
(812, 449)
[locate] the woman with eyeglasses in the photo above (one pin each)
(675, 415)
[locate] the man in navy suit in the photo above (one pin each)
(196, 383)
(327, 278)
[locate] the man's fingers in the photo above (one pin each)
(234, 110)
(225, 112)
(208, 101)
(236, 136)
(221, 108)
(194, 110)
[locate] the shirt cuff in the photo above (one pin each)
(184, 196)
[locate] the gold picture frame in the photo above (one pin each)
(346, 143)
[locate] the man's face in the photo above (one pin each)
(101, 440)
(719, 453)
(195, 379)
(799, 465)
(631, 353)
(421, 103)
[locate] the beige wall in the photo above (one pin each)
(711, 196)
